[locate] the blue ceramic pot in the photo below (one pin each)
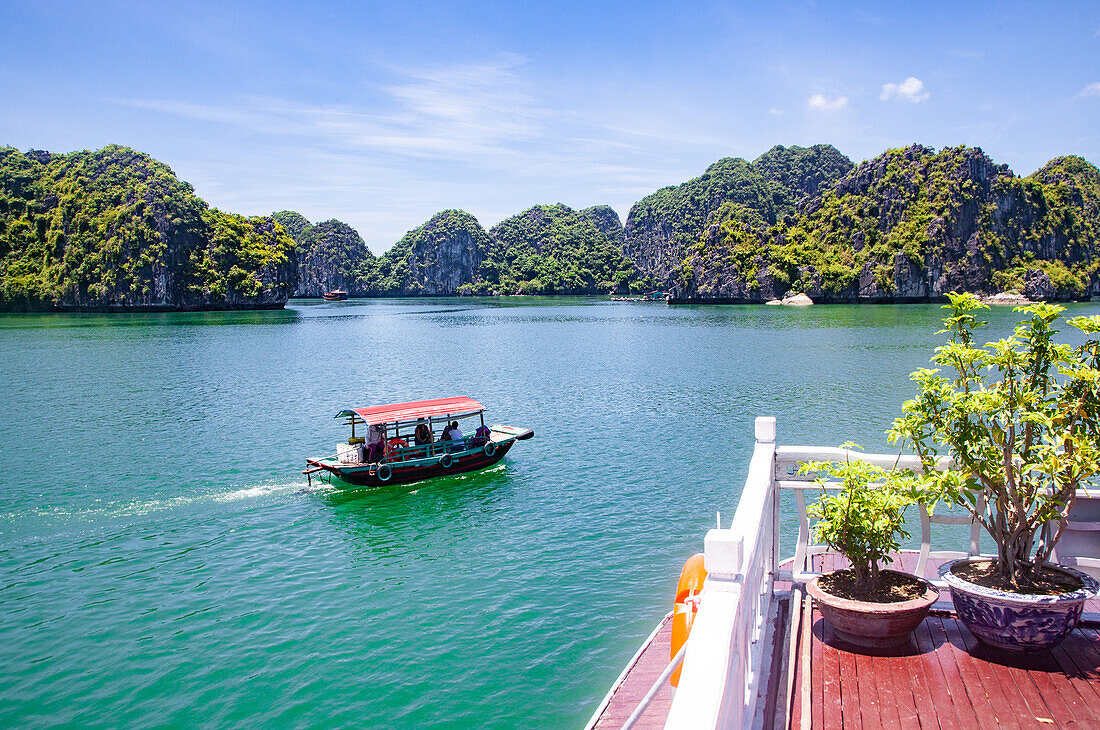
(1018, 621)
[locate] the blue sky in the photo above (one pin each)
(381, 114)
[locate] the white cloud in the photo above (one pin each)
(1092, 89)
(479, 136)
(817, 101)
(912, 89)
(775, 112)
(455, 112)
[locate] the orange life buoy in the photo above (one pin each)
(396, 444)
(687, 605)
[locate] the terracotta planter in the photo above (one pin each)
(873, 625)
(1018, 621)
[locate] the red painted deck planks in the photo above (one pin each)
(1080, 664)
(904, 686)
(887, 703)
(849, 686)
(951, 658)
(1023, 701)
(869, 692)
(914, 668)
(940, 692)
(985, 696)
(1057, 691)
(1077, 674)
(1080, 678)
(832, 707)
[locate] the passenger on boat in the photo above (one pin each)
(453, 434)
(422, 435)
(375, 439)
(481, 435)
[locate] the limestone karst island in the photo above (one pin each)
(114, 229)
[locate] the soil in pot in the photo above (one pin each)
(1050, 582)
(893, 587)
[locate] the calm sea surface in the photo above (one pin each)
(163, 561)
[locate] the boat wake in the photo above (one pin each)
(144, 507)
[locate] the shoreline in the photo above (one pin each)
(142, 308)
(1000, 299)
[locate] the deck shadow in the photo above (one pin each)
(824, 633)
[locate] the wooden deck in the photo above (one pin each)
(944, 679)
(638, 677)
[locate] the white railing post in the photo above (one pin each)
(721, 672)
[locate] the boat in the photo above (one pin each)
(758, 653)
(401, 459)
(336, 295)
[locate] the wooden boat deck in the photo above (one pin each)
(944, 679)
(636, 681)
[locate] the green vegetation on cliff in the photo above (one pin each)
(914, 223)
(664, 231)
(331, 255)
(437, 257)
(680, 212)
(553, 249)
(548, 249)
(796, 173)
(116, 229)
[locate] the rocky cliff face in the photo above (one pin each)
(437, 258)
(115, 230)
(910, 225)
(607, 222)
(553, 249)
(331, 255)
(662, 226)
(547, 249)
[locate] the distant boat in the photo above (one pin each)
(655, 296)
(402, 459)
(336, 295)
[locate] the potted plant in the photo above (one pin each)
(866, 604)
(1019, 420)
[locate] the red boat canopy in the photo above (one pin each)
(417, 409)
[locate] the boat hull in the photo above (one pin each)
(365, 475)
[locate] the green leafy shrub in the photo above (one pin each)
(1020, 418)
(865, 520)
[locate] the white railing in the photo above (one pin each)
(724, 664)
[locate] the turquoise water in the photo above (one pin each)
(163, 561)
